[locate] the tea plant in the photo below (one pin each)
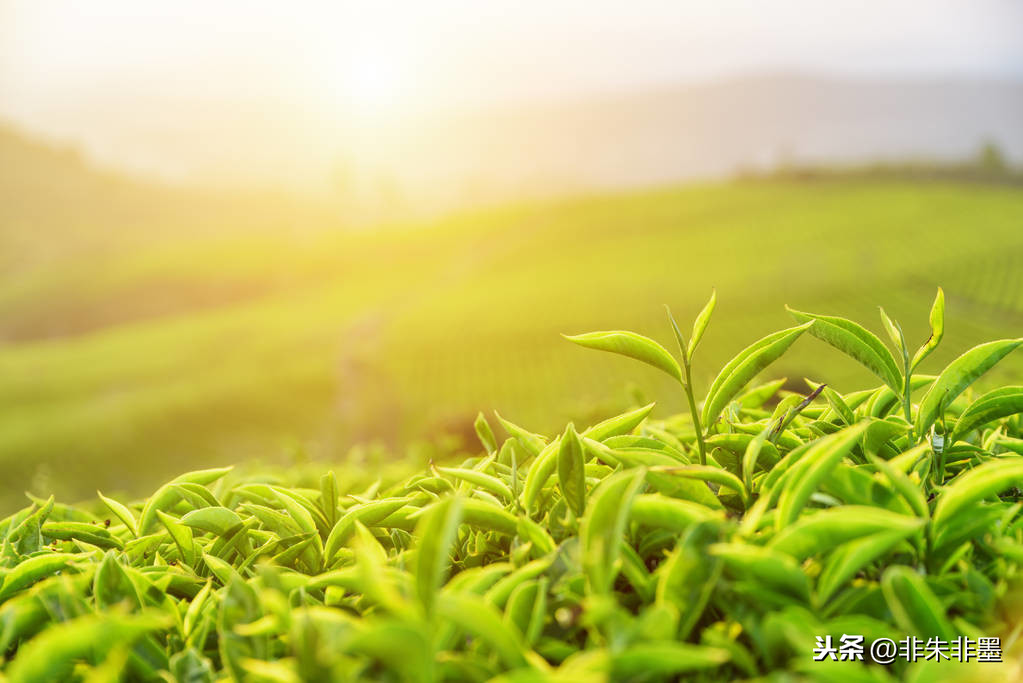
(710, 546)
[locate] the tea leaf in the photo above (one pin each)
(856, 554)
(328, 497)
(689, 575)
(666, 659)
(603, 526)
(958, 375)
(706, 473)
(751, 455)
(700, 325)
(982, 482)
(819, 532)
(773, 569)
(478, 618)
(31, 570)
(937, 321)
(182, 536)
(167, 495)
(914, 605)
(570, 471)
(218, 521)
(620, 424)
(530, 442)
(539, 472)
(51, 655)
(993, 405)
(659, 511)
(839, 405)
(480, 479)
(857, 342)
(89, 533)
(483, 515)
(632, 345)
(806, 475)
(485, 433)
(759, 395)
(744, 367)
(435, 534)
(526, 609)
(121, 512)
(894, 331)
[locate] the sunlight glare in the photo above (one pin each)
(370, 83)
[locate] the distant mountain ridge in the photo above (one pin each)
(672, 134)
(625, 140)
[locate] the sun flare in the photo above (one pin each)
(370, 84)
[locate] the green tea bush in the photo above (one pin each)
(717, 545)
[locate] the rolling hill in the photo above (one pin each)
(125, 364)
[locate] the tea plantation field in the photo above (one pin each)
(120, 368)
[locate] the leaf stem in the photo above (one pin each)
(688, 386)
(907, 404)
(907, 379)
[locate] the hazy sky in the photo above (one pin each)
(443, 52)
(97, 70)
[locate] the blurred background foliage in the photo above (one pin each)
(261, 327)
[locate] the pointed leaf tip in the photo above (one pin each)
(632, 345)
(702, 320)
(855, 341)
